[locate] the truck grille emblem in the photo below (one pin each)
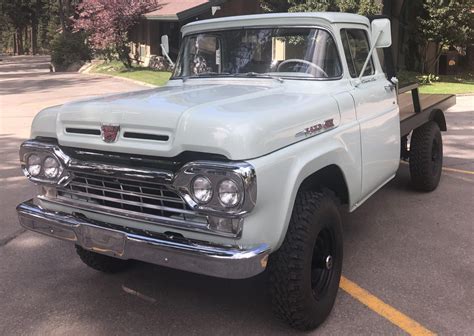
(110, 132)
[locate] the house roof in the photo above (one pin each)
(176, 10)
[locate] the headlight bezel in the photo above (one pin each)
(241, 173)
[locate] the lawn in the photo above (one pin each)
(140, 74)
(458, 84)
(448, 88)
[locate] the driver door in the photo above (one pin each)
(377, 112)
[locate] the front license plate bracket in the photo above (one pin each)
(103, 241)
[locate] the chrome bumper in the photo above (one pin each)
(194, 256)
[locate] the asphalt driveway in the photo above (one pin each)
(26, 87)
(413, 251)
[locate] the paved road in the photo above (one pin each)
(27, 86)
(413, 251)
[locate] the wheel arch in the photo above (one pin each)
(330, 177)
(438, 117)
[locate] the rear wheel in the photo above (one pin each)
(426, 157)
(101, 262)
(306, 270)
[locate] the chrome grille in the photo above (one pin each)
(120, 196)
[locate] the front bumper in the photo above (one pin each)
(230, 262)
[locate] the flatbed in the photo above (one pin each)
(416, 109)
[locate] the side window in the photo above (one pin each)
(356, 48)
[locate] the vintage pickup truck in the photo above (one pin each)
(269, 127)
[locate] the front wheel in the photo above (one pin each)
(306, 270)
(101, 262)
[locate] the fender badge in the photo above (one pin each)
(317, 128)
(109, 132)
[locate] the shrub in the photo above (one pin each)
(69, 51)
(428, 79)
(407, 77)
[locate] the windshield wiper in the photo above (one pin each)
(211, 74)
(258, 75)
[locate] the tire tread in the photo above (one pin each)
(286, 265)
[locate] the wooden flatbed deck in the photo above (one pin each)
(416, 109)
(426, 101)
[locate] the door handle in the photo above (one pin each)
(390, 87)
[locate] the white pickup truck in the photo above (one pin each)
(269, 127)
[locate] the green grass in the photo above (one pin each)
(447, 88)
(140, 74)
(458, 84)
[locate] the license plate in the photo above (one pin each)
(103, 241)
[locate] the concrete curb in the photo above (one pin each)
(120, 78)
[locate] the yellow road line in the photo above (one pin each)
(396, 317)
(454, 170)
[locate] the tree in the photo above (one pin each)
(108, 22)
(32, 24)
(445, 23)
(363, 7)
(17, 15)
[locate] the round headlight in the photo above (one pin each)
(202, 189)
(229, 193)
(51, 167)
(34, 165)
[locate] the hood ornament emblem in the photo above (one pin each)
(110, 132)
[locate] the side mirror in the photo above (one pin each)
(165, 44)
(381, 38)
(165, 48)
(381, 33)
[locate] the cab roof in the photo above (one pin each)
(275, 19)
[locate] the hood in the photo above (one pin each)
(239, 121)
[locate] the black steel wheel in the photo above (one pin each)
(426, 157)
(305, 272)
(322, 270)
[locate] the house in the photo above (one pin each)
(171, 15)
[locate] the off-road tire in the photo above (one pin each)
(291, 267)
(426, 157)
(101, 262)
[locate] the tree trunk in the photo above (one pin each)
(19, 41)
(67, 9)
(34, 27)
(25, 40)
(435, 61)
(34, 38)
(62, 18)
(15, 44)
(424, 51)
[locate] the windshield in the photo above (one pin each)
(280, 52)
